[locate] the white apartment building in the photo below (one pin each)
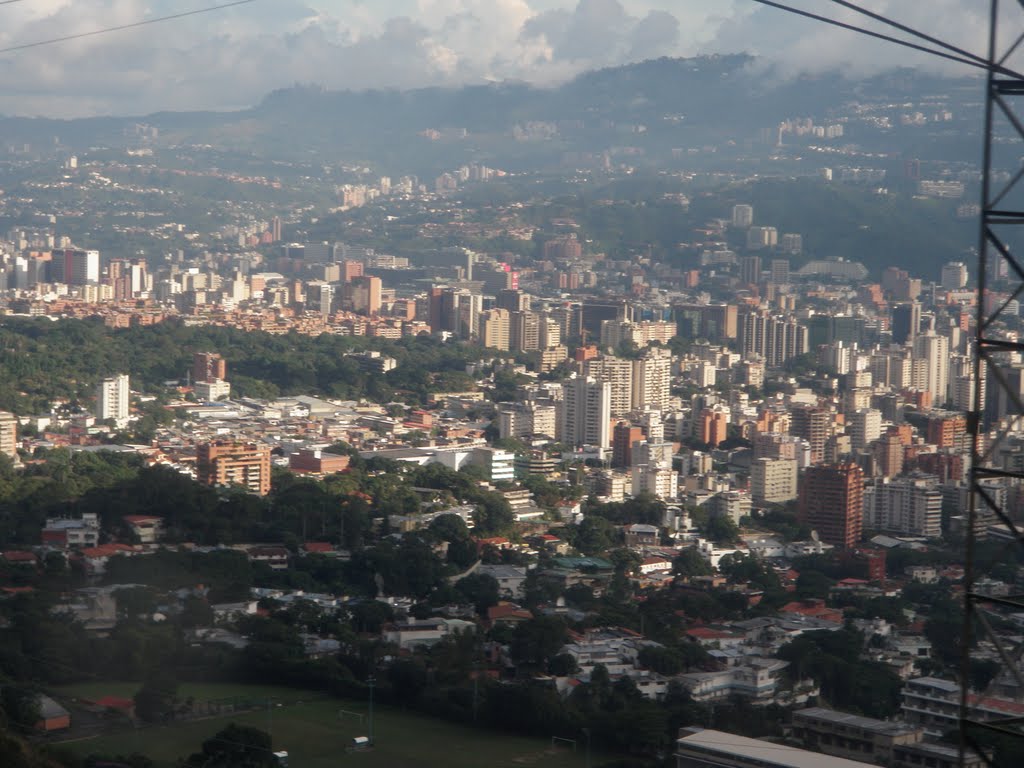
(112, 399)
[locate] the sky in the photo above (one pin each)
(232, 58)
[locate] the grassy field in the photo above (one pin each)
(315, 736)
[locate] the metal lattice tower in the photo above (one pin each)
(997, 469)
(994, 520)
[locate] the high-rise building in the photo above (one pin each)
(350, 270)
(656, 480)
(813, 425)
(9, 435)
(773, 481)
(233, 463)
(652, 381)
(208, 366)
(366, 295)
(623, 437)
(890, 454)
(865, 427)
(780, 271)
(512, 299)
(524, 331)
(742, 215)
(75, 267)
(750, 270)
(526, 419)
(910, 505)
(112, 399)
(586, 412)
(934, 351)
(773, 338)
(618, 373)
(832, 503)
(762, 237)
(906, 322)
(494, 329)
(954, 276)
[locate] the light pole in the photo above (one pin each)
(371, 682)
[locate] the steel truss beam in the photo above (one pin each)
(998, 400)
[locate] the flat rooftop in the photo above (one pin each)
(856, 721)
(714, 744)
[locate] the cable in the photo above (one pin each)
(9, 2)
(888, 38)
(120, 27)
(910, 30)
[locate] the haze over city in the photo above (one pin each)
(232, 58)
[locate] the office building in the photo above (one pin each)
(224, 463)
(75, 267)
(112, 399)
(586, 412)
(9, 435)
(773, 481)
(832, 503)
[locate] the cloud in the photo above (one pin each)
(232, 58)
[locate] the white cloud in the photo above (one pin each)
(232, 58)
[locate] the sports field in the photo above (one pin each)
(316, 734)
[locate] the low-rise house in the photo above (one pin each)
(414, 633)
(275, 557)
(52, 716)
(147, 529)
(757, 680)
(655, 564)
(67, 533)
(511, 579)
(641, 535)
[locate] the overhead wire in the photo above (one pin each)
(909, 30)
(120, 27)
(968, 59)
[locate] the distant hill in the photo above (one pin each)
(670, 101)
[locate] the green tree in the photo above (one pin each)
(155, 700)
(236, 746)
